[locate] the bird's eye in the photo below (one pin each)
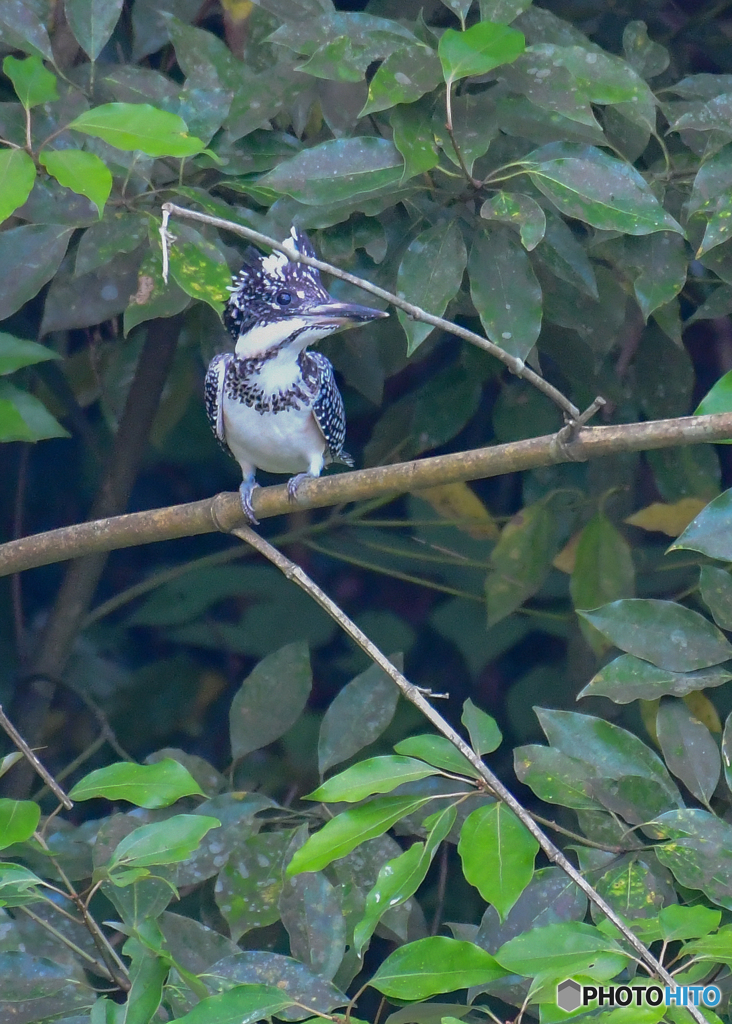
(284, 298)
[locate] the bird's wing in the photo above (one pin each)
(328, 410)
(213, 391)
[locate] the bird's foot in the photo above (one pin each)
(245, 493)
(294, 482)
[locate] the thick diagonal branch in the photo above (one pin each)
(223, 512)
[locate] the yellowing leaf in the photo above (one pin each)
(565, 560)
(702, 708)
(238, 9)
(458, 501)
(669, 519)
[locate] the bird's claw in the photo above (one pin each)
(294, 482)
(245, 494)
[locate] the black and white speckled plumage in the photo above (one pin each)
(271, 404)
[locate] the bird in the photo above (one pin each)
(271, 403)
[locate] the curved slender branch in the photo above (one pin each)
(415, 696)
(223, 512)
(514, 364)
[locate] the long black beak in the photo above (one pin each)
(343, 314)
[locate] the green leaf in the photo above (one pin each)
(697, 851)
(338, 170)
(249, 885)
(662, 632)
(357, 715)
(17, 175)
(92, 22)
(22, 29)
(505, 290)
(200, 269)
(23, 417)
(478, 50)
(715, 586)
(629, 678)
(147, 974)
(312, 916)
(438, 751)
(349, 829)
(18, 886)
(430, 966)
(242, 1004)
(498, 853)
(689, 749)
(485, 736)
(727, 751)
(519, 211)
(561, 950)
(100, 243)
(17, 352)
(679, 922)
(717, 399)
(270, 700)
(414, 139)
(403, 77)
(586, 183)
(32, 82)
(30, 255)
(83, 173)
(153, 298)
(162, 842)
(662, 262)
(711, 531)
(18, 821)
(555, 776)
(521, 559)
(399, 879)
(146, 785)
(603, 571)
(374, 775)
(429, 276)
(138, 126)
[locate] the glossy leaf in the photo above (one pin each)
(311, 913)
(555, 776)
(661, 260)
(711, 531)
(696, 848)
(357, 715)
(17, 175)
(349, 829)
(429, 276)
(83, 173)
(717, 399)
(629, 678)
(400, 878)
(430, 966)
(18, 821)
(248, 887)
(92, 22)
(438, 751)
(587, 183)
(19, 885)
(131, 126)
(338, 170)
(32, 82)
(23, 417)
(146, 785)
(505, 291)
(374, 775)
(485, 736)
(22, 28)
(242, 1004)
(31, 255)
(17, 352)
(603, 571)
(413, 138)
(201, 271)
(498, 855)
(715, 586)
(477, 50)
(562, 950)
(270, 699)
(162, 842)
(291, 978)
(679, 922)
(521, 559)
(520, 211)
(403, 77)
(662, 632)
(689, 749)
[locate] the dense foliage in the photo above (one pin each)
(557, 177)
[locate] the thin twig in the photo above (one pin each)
(415, 696)
(514, 364)
(441, 890)
(20, 743)
(451, 132)
(223, 512)
(98, 966)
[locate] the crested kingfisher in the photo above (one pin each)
(272, 404)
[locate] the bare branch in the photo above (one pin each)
(415, 696)
(223, 512)
(515, 365)
(20, 743)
